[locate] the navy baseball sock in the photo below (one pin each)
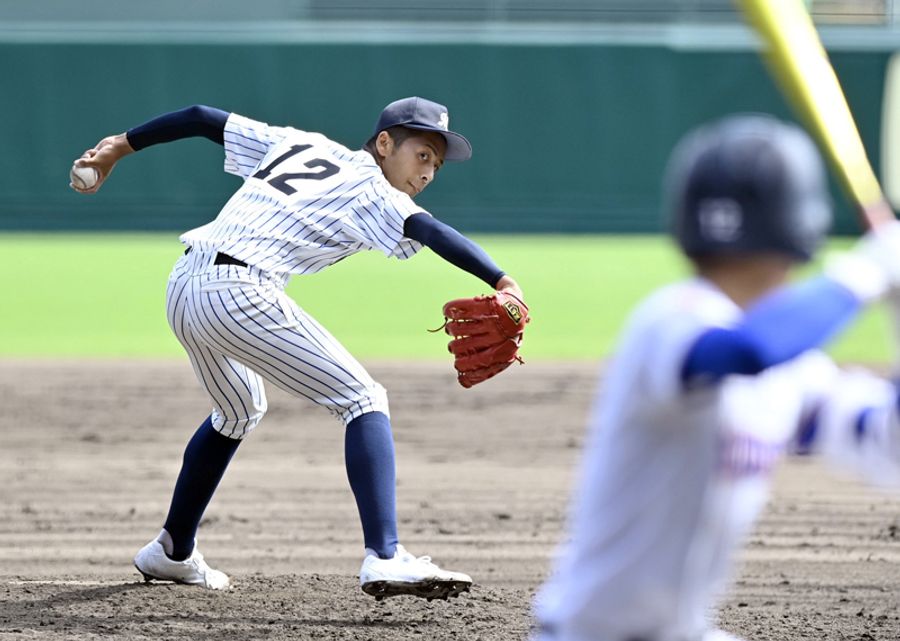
(205, 459)
(369, 457)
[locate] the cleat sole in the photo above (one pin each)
(147, 577)
(428, 589)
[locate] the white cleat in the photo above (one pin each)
(152, 562)
(407, 574)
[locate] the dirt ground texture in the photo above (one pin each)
(90, 451)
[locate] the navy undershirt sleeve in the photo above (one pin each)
(198, 120)
(778, 328)
(452, 246)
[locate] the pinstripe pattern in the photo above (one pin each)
(306, 203)
(238, 327)
(323, 221)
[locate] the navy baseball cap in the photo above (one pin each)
(419, 113)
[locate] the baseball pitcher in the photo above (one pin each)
(305, 203)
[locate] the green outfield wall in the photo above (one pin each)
(570, 135)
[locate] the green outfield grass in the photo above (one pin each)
(102, 295)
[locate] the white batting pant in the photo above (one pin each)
(238, 327)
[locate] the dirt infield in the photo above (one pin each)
(90, 452)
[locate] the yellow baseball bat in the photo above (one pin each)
(800, 65)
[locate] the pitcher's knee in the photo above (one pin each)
(238, 425)
(372, 398)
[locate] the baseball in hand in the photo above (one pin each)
(83, 177)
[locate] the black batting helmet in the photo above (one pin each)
(745, 184)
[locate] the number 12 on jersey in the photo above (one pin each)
(280, 181)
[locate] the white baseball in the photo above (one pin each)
(84, 177)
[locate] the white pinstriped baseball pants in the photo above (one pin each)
(239, 327)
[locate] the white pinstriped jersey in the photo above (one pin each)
(306, 202)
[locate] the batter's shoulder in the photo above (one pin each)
(679, 309)
(690, 297)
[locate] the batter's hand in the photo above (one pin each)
(103, 157)
(871, 269)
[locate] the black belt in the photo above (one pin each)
(222, 259)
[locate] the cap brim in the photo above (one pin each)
(458, 148)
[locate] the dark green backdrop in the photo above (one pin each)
(566, 138)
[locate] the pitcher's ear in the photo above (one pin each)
(384, 144)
